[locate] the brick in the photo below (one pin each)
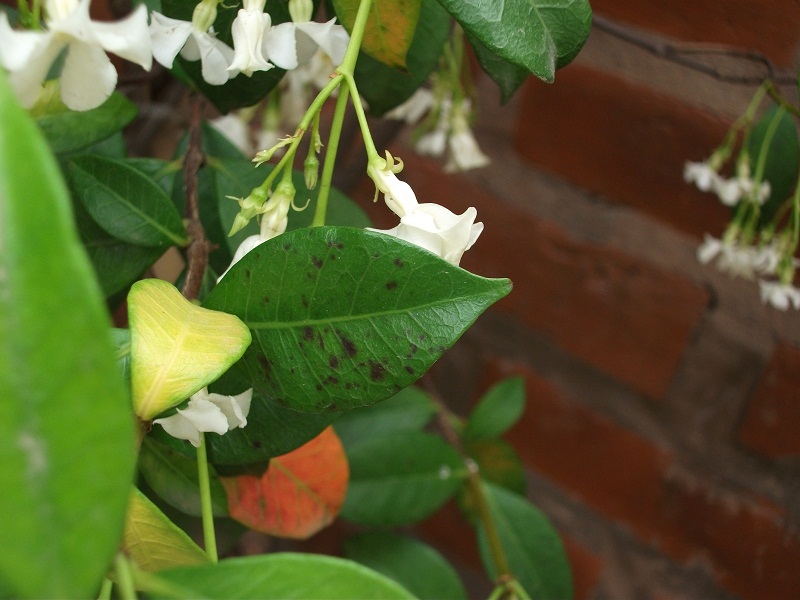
(772, 420)
(621, 315)
(746, 24)
(587, 568)
(740, 538)
(624, 141)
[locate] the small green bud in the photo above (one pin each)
(205, 14)
(311, 171)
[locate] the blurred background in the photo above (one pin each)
(662, 430)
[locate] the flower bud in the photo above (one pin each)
(311, 171)
(205, 14)
(301, 10)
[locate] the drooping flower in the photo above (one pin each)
(294, 43)
(701, 174)
(427, 225)
(87, 77)
(250, 29)
(208, 413)
(465, 154)
(779, 295)
(413, 109)
(742, 187)
(194, 40)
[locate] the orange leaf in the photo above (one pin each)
(300, 493)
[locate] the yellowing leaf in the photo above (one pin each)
(300, 493)
(390, 27)
(177, 347)
(153, 541)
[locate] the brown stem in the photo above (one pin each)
(445, 419)
(199, 246)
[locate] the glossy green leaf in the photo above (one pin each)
(62, 393)
(533, 548)
(173, 477)
(497, 411)
(161, 171)
(499, 463)
(385, 87)
(416, 566)
(508, 76)
(410, 410)
(538, 35)
(400, 478)
(390, 27)
(125, 202)
(117, 264)
(343, 318)
(69, 131)
(781, 155)
(153, 541)
(285, 575)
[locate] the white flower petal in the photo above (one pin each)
(465, 154)
(433, 143)
(247, 244)
(18, 48)
(128, 38)
(332, 38)
(248, 30)
(282, 46)
(27, 81)
(88, 77)
(205, 416)
(168, 36)
(215, 57)
(180, 427)
(235, 130)
(413, 109)
(235, 408)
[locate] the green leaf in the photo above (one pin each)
(161, 171)
(285, 575)
(63, 403)
(385, 87)
(400, 478)
(538, 35)
(153, 541)
(508, 76)
(410, 410)
(343, 318)
(390, 27)
(782, 153)
(125, 202)
(68, 131)
(174, 478)
(533, 549)
(498, 410)
(117, 264)
(416, 566)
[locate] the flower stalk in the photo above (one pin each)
(209, 535)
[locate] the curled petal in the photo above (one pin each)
(332, 38)
(128, 38)
(282, 46)
(181, 428)
(168, 36)
(18, 48)
(235, 408)
(215, 57)
(205, 415)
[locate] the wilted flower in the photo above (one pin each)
(87, 77)
(208, 413)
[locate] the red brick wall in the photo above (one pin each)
(662, 432)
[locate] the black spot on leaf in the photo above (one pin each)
(377, 371)
(391, 285)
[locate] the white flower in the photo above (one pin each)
(779, 295)
(236, 130)
(465, 154)
(433, 143)
(709, 249)
(194, 42)
(413, 109)
(249, 30)
(428, 225)
(439, 230)
(731, 257)
(701, 174)
(87, 78)
(731, 191)
(295, 43)
(208, 413)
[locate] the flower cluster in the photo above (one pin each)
(208, 413)
(428, 225)
(257, 44)
(88, 78)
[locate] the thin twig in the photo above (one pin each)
(199, 246)
(683, 54)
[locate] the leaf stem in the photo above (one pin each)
(105, 589)
(122, 568)
(330, 159)
(209, 536)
